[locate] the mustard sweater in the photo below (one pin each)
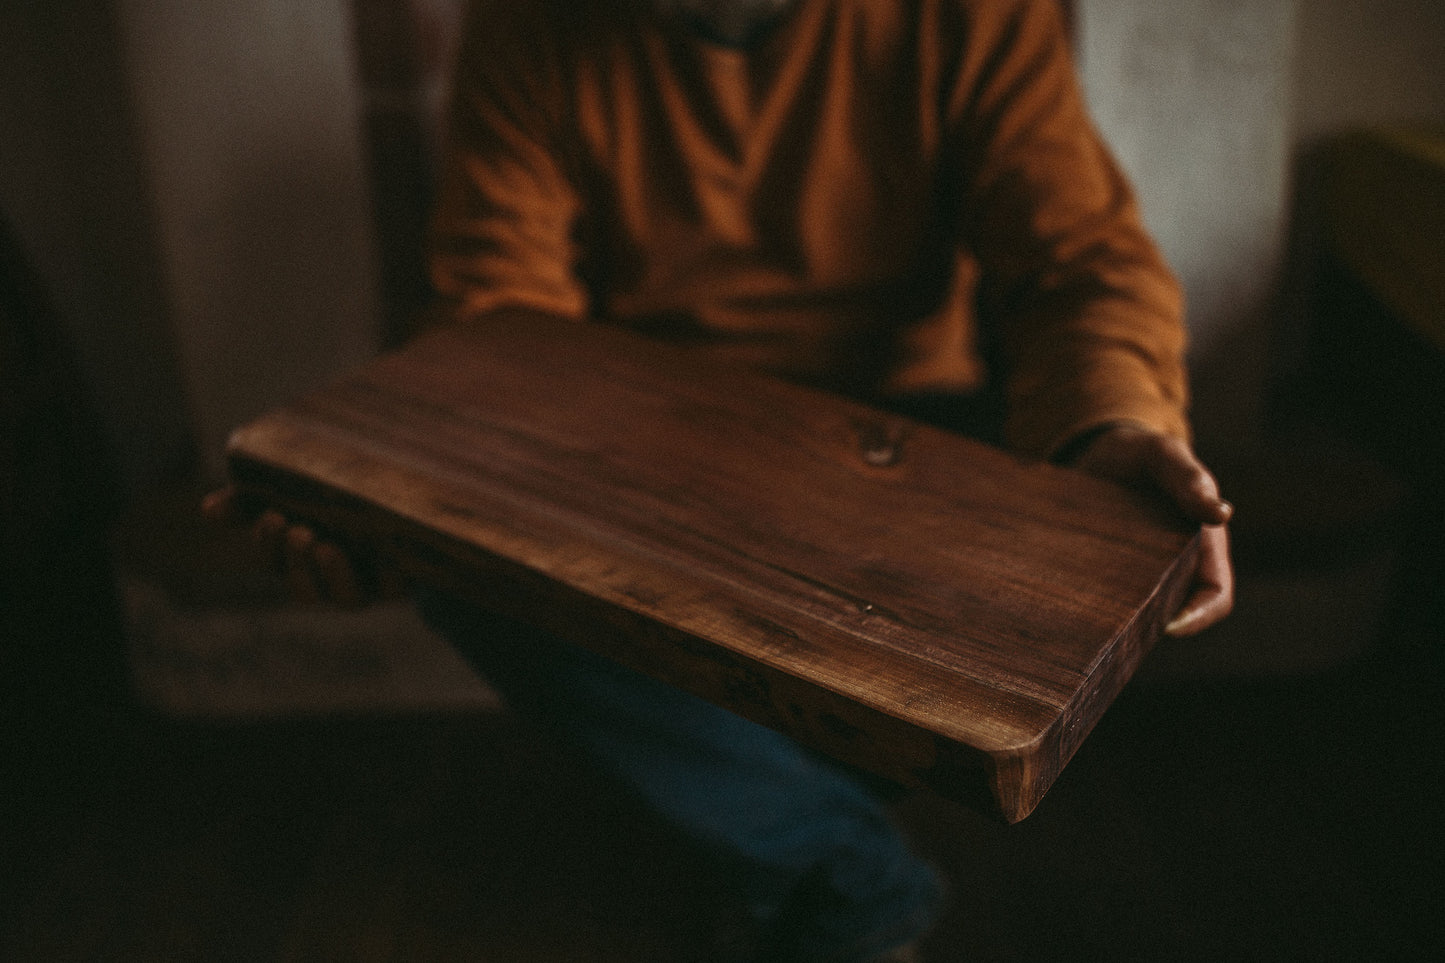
(872, 199)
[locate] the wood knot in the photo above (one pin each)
(880, 442)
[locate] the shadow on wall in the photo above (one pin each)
(62, 667)
(249, 130)
(405, 50)
(73, 187)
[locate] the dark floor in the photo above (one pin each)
(1285, 819)
(1283, 815)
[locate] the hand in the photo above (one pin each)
(1141, 457)
(315, 570)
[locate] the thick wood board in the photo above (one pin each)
(902, 598)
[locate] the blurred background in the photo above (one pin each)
(208, 207)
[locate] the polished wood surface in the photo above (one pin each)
(904, 599)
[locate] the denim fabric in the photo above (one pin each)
(823, 871)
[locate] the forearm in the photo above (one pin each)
(1086, 317)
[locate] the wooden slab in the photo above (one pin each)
(901, 598)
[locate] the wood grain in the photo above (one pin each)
(904, 599)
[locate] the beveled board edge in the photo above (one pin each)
(824, 720)
(1021, 777)
(1007, 784)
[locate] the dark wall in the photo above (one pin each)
(62, 668)
(72, 188)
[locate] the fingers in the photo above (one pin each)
(269, 531)
(1136, 455)
(1177, 470)
(220, 506)
(319, 571)
(314, 570)
(1212, 597)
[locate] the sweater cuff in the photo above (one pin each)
(1058, 430)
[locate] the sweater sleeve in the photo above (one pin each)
(501, 234)
(1086, 315)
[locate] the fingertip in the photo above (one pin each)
(218, 505)
(268, 529)
(327, 554)
(1204, 503)
(1182, 624)
(328, 558)
(1205, 608)
(299, 538)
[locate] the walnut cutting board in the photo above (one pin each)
(904, 599)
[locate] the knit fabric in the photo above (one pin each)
(879, 197)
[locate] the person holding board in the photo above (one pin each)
(903, 201)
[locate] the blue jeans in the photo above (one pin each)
(823, 872)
